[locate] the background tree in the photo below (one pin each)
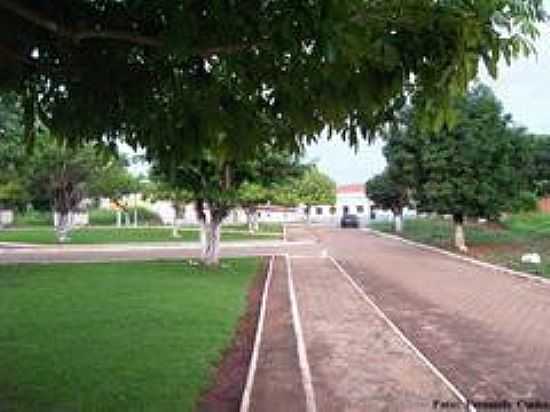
(215, 185)
(251, 195)
(475, 169)
(388, 192)
(541, 165)
(63, 176)
(313, 188)
(114, 181)
(13, 187)
(161, 190)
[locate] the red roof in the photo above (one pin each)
(352, 188)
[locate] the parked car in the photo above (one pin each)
(349, 221)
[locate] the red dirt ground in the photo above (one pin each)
(225, 393)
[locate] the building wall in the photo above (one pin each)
(346, 203)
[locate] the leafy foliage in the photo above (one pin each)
(541, 165)
(178, 77)
(475, 169)
(313, 188)
(113, 180)
(13, 191)
(386, 192)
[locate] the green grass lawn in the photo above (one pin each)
(114, 235)
(504, 245)
(115, 337)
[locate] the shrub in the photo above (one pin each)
(34, 218)
(102, 217)
(146, 216)
(524, 202)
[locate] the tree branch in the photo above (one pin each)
(76, 35)
(14, 56)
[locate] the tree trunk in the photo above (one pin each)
(210, 231)
(211, 243)
(118, 218)
(308, 214)
(252, 219)
(63, 226)
(398, 221)
(460, 241)
(175, 232)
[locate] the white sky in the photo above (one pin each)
(523, 88)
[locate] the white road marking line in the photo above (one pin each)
(407, 342)
(477, 262)
(302, 353)
(245, 401)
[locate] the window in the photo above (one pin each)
(332, 210)
(346, 210)
(360, 209)
(319, 210)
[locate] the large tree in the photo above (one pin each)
(175, 76)
(475, 169)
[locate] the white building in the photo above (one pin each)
(350, 199)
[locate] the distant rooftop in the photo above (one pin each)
(351, 188)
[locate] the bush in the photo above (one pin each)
(34, 218)
(146, 216)
(524, 202)
(102, 217)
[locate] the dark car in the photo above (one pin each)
(349, 221)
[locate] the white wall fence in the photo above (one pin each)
(6, 217)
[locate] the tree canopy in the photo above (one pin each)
(313, 188)
(475, 169)
(387, 191)
(175, 77)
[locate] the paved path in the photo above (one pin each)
(489, 332)
(139, 252)
(353, 360)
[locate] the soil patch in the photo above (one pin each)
(480, 251)
(225, 393)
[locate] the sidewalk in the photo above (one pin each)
(355, 360)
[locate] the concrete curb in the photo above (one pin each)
(467, 259)
(307, 381)
(403, 338)
(173, 246)
(245, 401)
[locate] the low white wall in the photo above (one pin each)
(77, 219)
(6, 217)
